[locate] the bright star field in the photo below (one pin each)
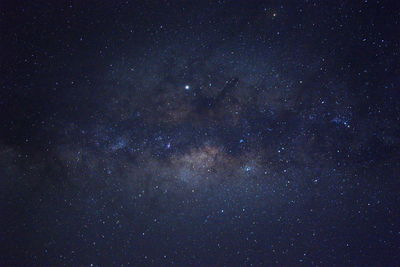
(200, 133)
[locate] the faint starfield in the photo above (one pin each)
(200, 133)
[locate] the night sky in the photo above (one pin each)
(200, 133)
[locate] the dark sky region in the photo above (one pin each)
(200, 133)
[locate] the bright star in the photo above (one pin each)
(247, 168)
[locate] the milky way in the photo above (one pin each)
(222, 133)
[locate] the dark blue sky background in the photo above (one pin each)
(199, 133)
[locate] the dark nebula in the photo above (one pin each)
(200, 133)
